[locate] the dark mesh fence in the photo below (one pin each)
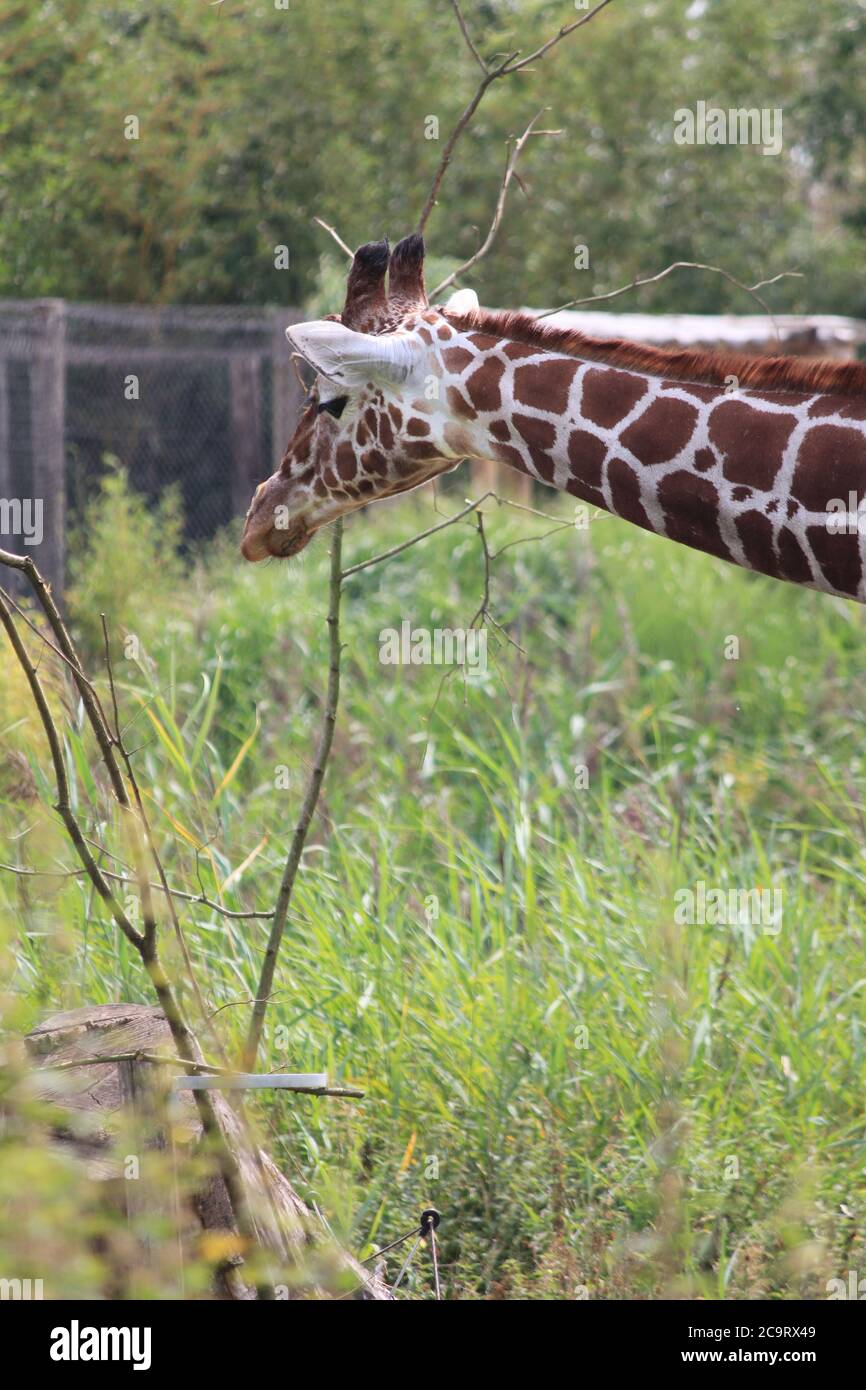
(203, 398)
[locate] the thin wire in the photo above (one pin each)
(408, 1261)
(416, 1230)
(435, 1263)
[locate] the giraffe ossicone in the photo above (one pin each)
(770, 475)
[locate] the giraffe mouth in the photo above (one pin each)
(283, 544)
(277, 544)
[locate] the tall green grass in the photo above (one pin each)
(600, 1100)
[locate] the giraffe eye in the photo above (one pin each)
(334, 407)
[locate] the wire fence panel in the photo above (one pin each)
(202, 398)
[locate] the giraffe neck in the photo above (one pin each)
(750, 476)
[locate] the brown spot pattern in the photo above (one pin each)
(838, 556)
(545, 384)
(421, 449)
(458, 404)
(661, 432)
(792, 560)
(586, 455)
(691, 512)
(507, 454)
(482, 386)
(375, 462)
(755, 530)
(751, 441)
(625, 493)
(517, 350)
(608, 396)
(540, 436)
(345, 460)
(457, 359)
(831, 463)
(704, 460)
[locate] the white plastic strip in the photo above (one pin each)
(254, 1081)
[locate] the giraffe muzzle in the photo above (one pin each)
(275, 543)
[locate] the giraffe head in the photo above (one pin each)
(373, 424)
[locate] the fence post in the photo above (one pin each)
(6, 481)
(47, 434)
(286, 392)
(245, 415)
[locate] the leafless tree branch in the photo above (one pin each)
(308, 807)
(638, 281)
(564, 32)
(332, 232)
(465, 32)
(145, 943)
(510, 164)
(205, 901)
(490, 75)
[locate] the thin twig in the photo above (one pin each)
(311, 797)
(422, 536)
(484, 615)
(89, 697)
(63, 806)
(546, 47)
(490, 75)
(638, 281)
(510, 163)
(326, 226)
(263, 915)
(465, 32)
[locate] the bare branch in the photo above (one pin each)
(465, 32)
(155, 887)
(441, 525)
(422, 536)
(311, 797)
(335, 234)
(63, 806)
(510, 163)
(508, 66)
(546, 47)
(483, 614)
(638, 281)
(450, 144)
(89, 698)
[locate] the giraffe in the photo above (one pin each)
(758, 460)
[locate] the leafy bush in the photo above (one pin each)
(125, 561)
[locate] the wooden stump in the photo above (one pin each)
(134, 1093)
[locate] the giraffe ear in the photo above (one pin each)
(354, 359)
(462, 302)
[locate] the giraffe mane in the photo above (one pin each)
(675, 364)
